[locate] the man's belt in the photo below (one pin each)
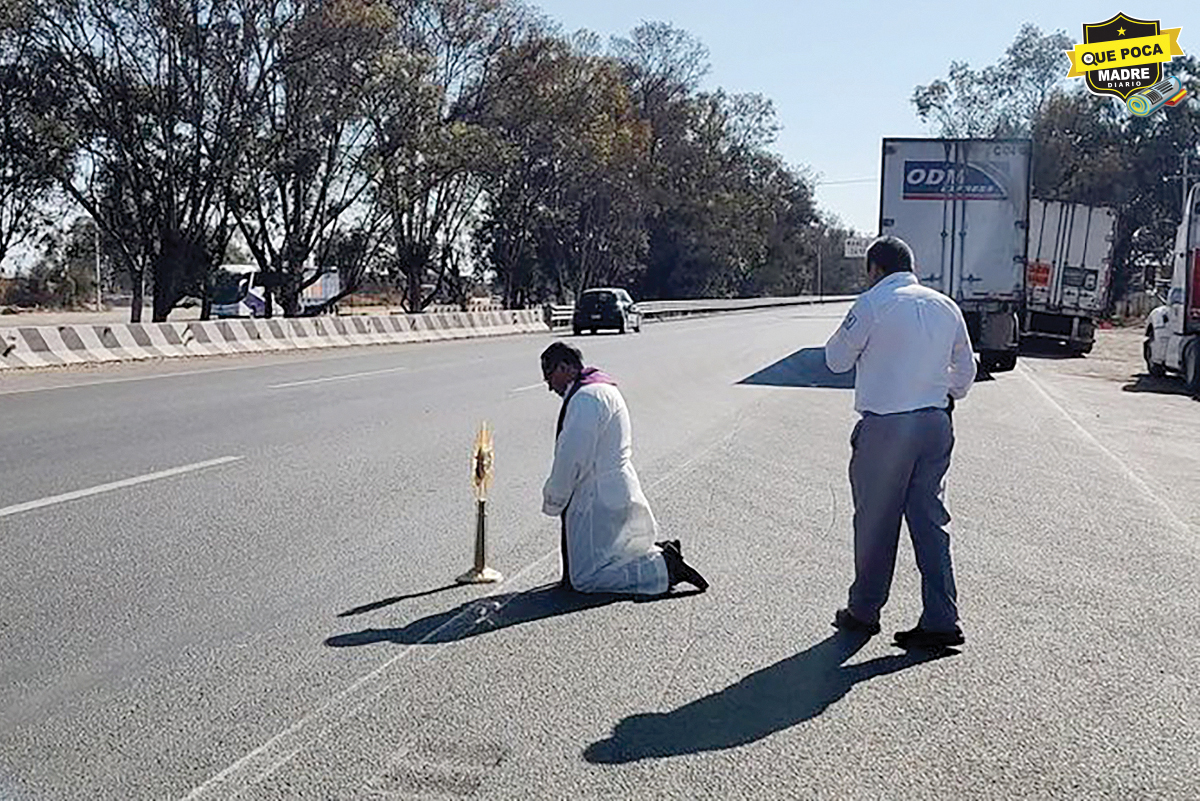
(947, 409)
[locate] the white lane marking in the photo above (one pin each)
(1133, 477)
(115, 485)
(336, 378)
(262, 762)
(526, 389)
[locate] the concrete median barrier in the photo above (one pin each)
(59, 345)
(49, 346)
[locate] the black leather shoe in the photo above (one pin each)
(679, 570)
(847, 622)
(931, 640)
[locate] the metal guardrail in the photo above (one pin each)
(560, 316)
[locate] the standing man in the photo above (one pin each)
(913, 357)
(608, 531)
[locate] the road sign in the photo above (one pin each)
(856, 247)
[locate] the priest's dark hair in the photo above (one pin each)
(562, 353)
(891, 254)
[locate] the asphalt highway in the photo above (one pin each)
(233, 578)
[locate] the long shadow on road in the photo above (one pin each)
(775, 698)
(804, 368)
(491, 613)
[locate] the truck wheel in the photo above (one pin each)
(997, 361)
(1156, 370)
(1191, 369)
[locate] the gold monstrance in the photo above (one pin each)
(482, 463)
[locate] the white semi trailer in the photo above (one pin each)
(962, 205)
(1173, 330)
(1068, 272)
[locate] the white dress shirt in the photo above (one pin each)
(910, 345)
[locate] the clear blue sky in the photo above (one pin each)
(841, 74)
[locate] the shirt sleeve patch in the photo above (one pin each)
(850, 321)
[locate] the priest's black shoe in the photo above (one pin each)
(679, 570)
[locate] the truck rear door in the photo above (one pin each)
(1042, 257)
(962, 205)
(1070, 257)
(1087, 264)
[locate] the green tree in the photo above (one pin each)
(1001, 100)
(34, 141)
(65, 275)
(535, 116)
(724, 215)
(432, 151)
(1090, 150)
(306, 169)
(590, 226)
(161, 95)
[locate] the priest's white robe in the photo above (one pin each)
(610, 530)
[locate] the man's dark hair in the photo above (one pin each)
(562, 353)
(892, 254)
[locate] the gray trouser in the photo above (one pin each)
(897, 467)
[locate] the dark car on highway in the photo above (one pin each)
(606, 307)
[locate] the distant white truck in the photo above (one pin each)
(239, 291)
(1068, 272)
(1173, 330)
(963, 207)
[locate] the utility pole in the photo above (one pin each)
(819, 288)
(1184, 177)
(1183, 203)
(96, 228)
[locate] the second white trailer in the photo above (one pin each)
(1068, 272)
